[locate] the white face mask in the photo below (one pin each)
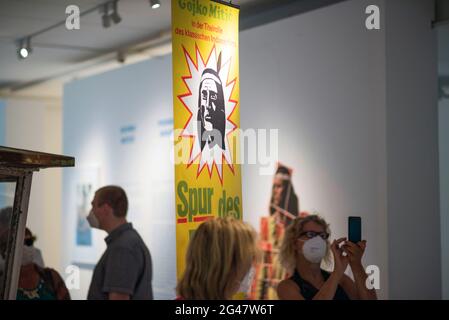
(37, 257)
(27, 255)
(93, 220)
(314, 249)
(245, 284)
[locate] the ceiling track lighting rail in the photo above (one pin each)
(108, 10)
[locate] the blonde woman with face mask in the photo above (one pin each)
(305, 245)
(219, 261)
(35, 281)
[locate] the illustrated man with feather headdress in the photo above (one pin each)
(211, 109)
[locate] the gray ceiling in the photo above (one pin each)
(55, 50)
(58, 50)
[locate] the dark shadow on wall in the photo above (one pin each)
(265, 11)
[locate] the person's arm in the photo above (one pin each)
(288, 290)
(355, 254)
(118, 296)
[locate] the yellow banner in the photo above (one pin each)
(206, 115)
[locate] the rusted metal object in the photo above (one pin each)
(17, 158)
(17, 167)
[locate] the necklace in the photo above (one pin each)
(32, 293)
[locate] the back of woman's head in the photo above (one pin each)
(288, 251)
(220, 250)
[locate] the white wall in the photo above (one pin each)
(37, 125)
(4, 196)
(320, 79)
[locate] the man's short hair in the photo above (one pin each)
(115, 197)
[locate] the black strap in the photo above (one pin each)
(308, 291)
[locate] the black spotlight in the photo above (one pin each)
(155, 4)
(114, 16)
(24, 48)
(105, 18)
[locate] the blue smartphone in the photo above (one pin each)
(355, 229)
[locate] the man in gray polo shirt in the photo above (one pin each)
(124, 271)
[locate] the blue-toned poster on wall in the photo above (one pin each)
(87, 242)
(84, 195)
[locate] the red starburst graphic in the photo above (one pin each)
(206, 156)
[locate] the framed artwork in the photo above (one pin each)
(87, 242)
(84, 195)
(283, 208)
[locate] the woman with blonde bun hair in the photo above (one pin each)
(219, 260)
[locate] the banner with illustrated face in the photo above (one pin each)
(206, 115)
